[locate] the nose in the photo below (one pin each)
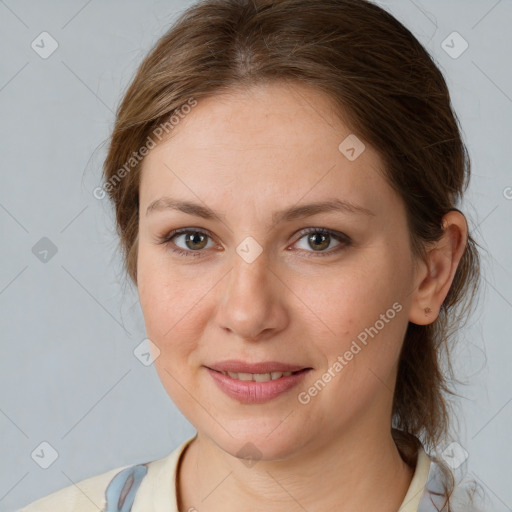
(252, 300)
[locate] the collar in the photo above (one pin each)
(424, 493)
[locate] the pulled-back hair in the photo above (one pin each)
(388, 91)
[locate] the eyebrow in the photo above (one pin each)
(287, 215)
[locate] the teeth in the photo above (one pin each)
(258, 377)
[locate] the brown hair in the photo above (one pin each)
(390, 93)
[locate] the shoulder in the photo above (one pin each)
(465, 496)
(122, 483)
(84, 496)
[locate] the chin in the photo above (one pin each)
(253, 440)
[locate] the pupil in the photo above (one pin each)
(320, 235)
(192, 238)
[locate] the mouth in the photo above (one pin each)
(268, 383)
(262, 368)
(258, 377)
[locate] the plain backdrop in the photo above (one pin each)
(69, 327)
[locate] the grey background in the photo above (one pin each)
(69, 326)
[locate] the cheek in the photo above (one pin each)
(164, 296)
(174, 310)
(362, 317)
(167, 316)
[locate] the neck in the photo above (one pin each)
(357, 471)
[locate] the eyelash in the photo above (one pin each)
(344, 239)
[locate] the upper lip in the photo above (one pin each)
(238, 366)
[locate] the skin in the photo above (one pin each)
(245, 155)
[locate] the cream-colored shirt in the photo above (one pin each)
(154, 494)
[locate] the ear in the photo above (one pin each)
(435, 275)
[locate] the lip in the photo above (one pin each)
(238, 366)
(252, 392)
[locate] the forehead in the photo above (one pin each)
(270, 142)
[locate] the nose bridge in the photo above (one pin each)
(247, 306)
(250, 270)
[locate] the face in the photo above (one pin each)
(324, 290)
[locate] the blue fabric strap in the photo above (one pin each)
(120, 493)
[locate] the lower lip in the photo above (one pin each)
(251, 392)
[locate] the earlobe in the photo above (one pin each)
(439, 270)
(422, 310)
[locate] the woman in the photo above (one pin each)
(285, 177)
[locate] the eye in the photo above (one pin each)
(195, 241)
(320, 238)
